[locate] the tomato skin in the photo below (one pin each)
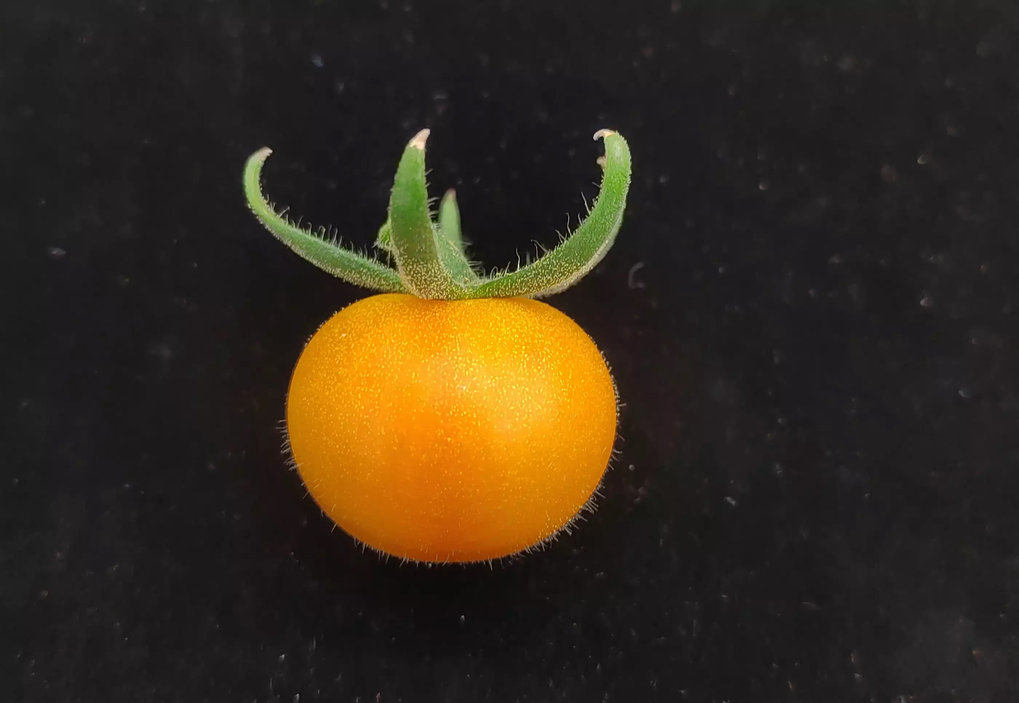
(451, 431)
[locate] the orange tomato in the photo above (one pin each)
(451, 431)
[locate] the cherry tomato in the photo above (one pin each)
(451, 431)
(453, 418)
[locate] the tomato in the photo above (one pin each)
(453, 418)
(451, 431)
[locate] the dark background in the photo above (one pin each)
(811, 313)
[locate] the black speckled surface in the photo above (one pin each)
(811, 313)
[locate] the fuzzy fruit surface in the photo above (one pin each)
(451, 431)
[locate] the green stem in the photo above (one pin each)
(449, 219)
(340, 262)
(454, 256)
(430, 259)
(421, 254)
(581, 251)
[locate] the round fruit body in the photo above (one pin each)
(451, 431)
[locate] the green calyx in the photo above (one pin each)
(428, 255)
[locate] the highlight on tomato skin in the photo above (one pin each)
(453, 418)
(451, 431)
